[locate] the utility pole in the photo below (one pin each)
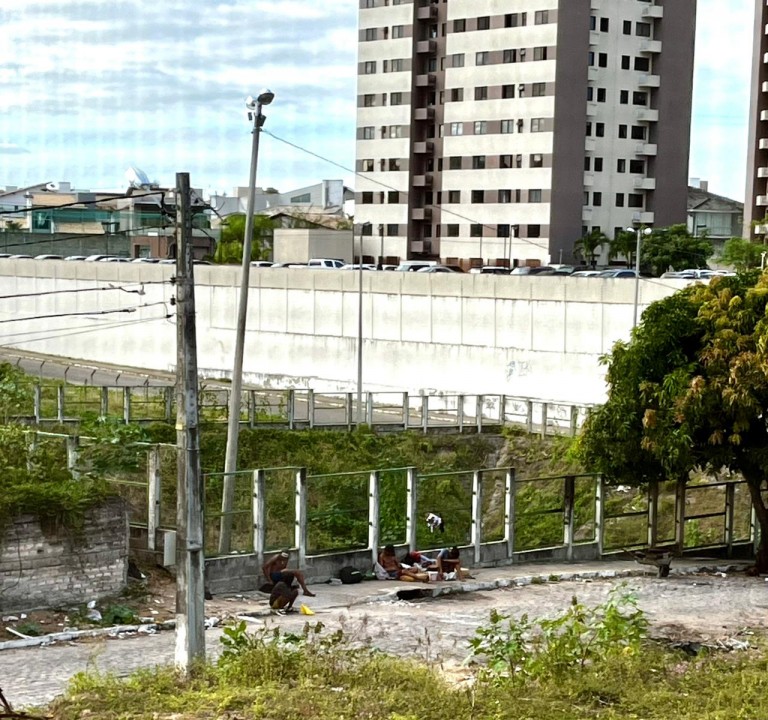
(190, 560)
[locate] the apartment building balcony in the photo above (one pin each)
(761, 229)
(653, 12)
(420, 246)
(589, 144)
(646, 149)
(591, 109)
(764, 87)
(427, 13)
(645, 183)
(762, 172)
(429, 80)
(422, 181)
(423, 148)
(649, 81)
(650, 47)
(647, 115)
(421, 214)
(596, 4)
(424, 114)
(426, 47)
(586, 214)
(589, 180)
(761, 201)
(643, 218)
(764, 114)
(594, 38)
(763, 144)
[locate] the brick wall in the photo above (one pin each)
(47, 569)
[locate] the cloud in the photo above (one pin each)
(11, 149)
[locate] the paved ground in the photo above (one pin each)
(714, 604)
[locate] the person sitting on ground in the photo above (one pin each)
(394, 570)
(284, 593)
(417, 559)
(449, 561)
(275, 568)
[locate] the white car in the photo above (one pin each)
(325, 264)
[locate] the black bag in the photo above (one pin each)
(350, 575)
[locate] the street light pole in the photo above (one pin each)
(254, 106)
(360, 327)
(639, 233)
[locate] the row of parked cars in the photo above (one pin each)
(99, 258)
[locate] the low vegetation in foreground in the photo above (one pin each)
(587, 663)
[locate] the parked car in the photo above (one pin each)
(440, 269)
(356, 266)
(145, 260)
(617, 273)
(262, 263)
(528, 270)
(95, 258)
(75, 257)
(414, 265)
(326, 264)
(20, 257)
(49, 257)
(585, 273)
(491, 270)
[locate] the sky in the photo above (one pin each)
(89, 88)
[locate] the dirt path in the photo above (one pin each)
(692, 607)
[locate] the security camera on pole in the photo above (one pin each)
(255, 115)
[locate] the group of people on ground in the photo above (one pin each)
(415, 565)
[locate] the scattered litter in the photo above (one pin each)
(147, 630)
(10, 618)
(146, 620)
(17, 633)
(212, 622)
(154, 612)
(304, 610)
(91, 605)
(93, 614)
(23, 616)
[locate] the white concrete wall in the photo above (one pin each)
(301, 245)
(538, 337)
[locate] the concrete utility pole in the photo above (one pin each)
(255, 114)
(190, 560)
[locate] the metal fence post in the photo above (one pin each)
(574, 420)
(680, 514)
(406, 411)
(104, 402)
(127, 405)
(38, 402)
(510, 490)
(503, 410)
(154, 481)
(544, 408)
(252, 409)
(653, 513)
(529, 416)
(369, 408)
(479, 413)
(730, 507)
(374, 480)
(311, 407)
(569, 499)
(291, 401)
(412, 498)
(349, 410)
(460, 413)
(300, 531)
(73, 444)
(168, 399)
(259, 515)
(425, 413)
(599, 514)
(477, 514)
(60, 403)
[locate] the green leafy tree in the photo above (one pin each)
(15, 392)
(690, 391)
(674, 247)
(742, 254)
(588, 245)
(229, 249)
(624, 245)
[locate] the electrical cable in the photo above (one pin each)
(79, 314)
(140, 291)
(39, 208)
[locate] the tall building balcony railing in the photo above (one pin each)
(589, 144)
(647, 115)
(647, 80)
(653, 11)
(427, 113)
(643, 217)
(645, 183)
(594, 38)
(426, 47)
(423, 148)
(422, 181)
(761, 201)
(589, 180)
(762, 172)
(764, 87)
(591, 109)
(427, 13)
(764, 114)
(762, 144)
(421, 214)
(427, 80)
(646, 149)
(650, 47)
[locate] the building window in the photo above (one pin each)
(478, 196)
(604, 24)
(637, 167)
(481, 127)
(481, 58)
(397, 65)
(643, 29)
(454, 162)
(540, 53)
(541, 17)
(454, 196)
(393, 230)
(395, 131)
(624, 97)
(597, 199)
(536, 160)
(642, 64)
(635, 200)
(534, 231)
(621, 165)
(638, 132)
(366, 198)
(507, 126)
(367, 165)
(640, 98)
(476, 230)
(599, 129)
(538, 125)
(507, 92)
(484, 23)
(369, 67)
(538, 89)
(622, 131)
(457, 94)
(515, 19)
(602, 60)
(369, 100)
(502, 230)
(368, 133)
(481, 92)
(619, 199)
(459, 25)
(534, 196)
(452, 230)
(370, 34)
(601, 95)
(625, 62)
(626, 27)
(505, 162)
(396, 98)
(457, 128)
(457, 60)
(505, 196)
(393, 197)
(478, 162)
(518, 164)
(598, 164)
(394, 164)
(398, 31)
(509, 56)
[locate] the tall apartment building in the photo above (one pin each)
(756, 204)
(509, 128)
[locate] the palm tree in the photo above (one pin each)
(625, 243)
(588, 245)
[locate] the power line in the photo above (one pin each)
(44, 239)
(140, 291)
(38, 208)
(79, 314)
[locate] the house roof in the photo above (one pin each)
(705, 201)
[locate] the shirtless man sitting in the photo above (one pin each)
(276, 566)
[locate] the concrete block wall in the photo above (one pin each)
(49, 567)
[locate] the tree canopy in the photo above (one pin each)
(624, 244)
(674, 247)
(588, 245)
(230, 246)
(742, 254)
(690, 390)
